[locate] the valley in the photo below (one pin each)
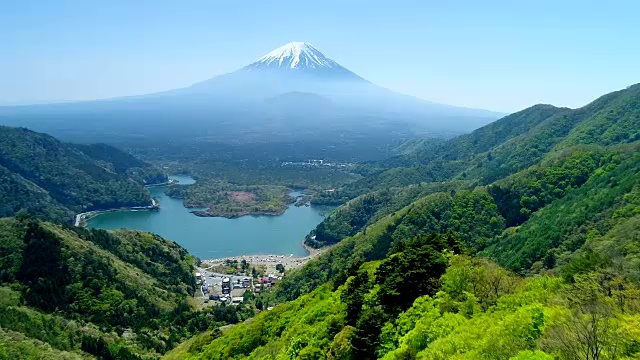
(522, 230)
(502, 244)
(293, 210)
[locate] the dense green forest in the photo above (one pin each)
(426, 300)
(519, 240)
(242, 173)
(42, 176)
(228, 200)
(123, 164)
(505, 146)
(349, 219)
(71, 292)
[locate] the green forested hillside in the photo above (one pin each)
(422, 304)
(352, 217)
(18, 194)
(71, 292)
(46, 177)
(444, 161)
(508, 145)
(221, 198)
(544, 211)
(607, 199)
(518, 241)
(123, 164)
(536, 135)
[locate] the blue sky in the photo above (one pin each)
(498, 55)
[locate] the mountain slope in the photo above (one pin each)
(509, 145)
(226, 108)
(47, 177)
(18, 194)
(479, 311)
(123, 164)
(302, 57)
(96, 283)
(556, 231)
(384, 292)
(366, 227)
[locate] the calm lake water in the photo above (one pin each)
(214, 237)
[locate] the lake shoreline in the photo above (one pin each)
(242, 209)
(215, 237)
(270, 260)
(82, 219)
(168, 183)
(208, 213)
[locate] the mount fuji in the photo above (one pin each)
(296, 66)
(300, 67)
(296, 56)
(290, 94)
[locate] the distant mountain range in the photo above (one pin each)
(226, 107)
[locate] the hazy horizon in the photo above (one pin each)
(496, 56)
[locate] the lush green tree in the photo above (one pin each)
(353, 296)
(411, 272)
(43, 269)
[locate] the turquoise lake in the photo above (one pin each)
(214, 237)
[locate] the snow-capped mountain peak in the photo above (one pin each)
(295, 55)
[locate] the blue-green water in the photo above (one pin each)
(213, 237)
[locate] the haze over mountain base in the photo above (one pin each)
(292, 95)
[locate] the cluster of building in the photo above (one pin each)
(266, 282)
(228, 285)
(226, 289)
(313, 162)
(230, 289)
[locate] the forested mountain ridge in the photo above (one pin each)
(71, 292)
(123, 163)
(18, 194)
(412, 272)
(444, 160)
(570, 225)
(46, 177)
(494, 152)
(507, 145)
(426, 300)
(398, 290)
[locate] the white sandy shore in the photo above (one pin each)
(269, 260)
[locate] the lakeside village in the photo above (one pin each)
(231, 280)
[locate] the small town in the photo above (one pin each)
(317, 163)
(229, 289)
(229, 280)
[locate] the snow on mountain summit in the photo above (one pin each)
(295, 55)
(296, 66)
